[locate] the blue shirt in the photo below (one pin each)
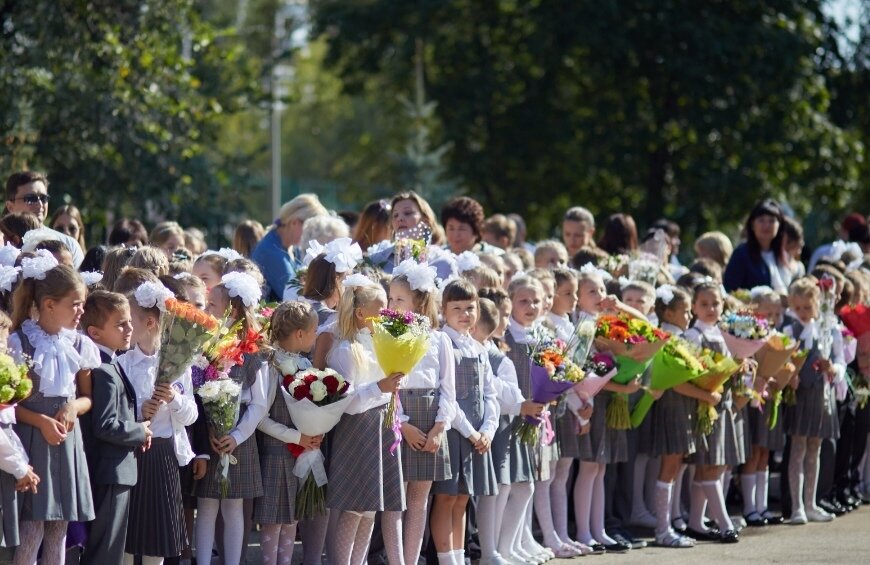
(276, 264)
(745, 271)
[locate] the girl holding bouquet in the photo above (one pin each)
(603, 444)
(238, 294)
(156, 528)
(292, 332)
(814, 415)
(47, 421)
(360, 443)
(722, 448)
(428, 404)
(473, 426)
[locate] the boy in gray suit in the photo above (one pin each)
(114, 434)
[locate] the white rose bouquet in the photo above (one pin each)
(220, 400)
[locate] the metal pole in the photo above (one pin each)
(276, 152)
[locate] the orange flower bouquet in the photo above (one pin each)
(186, 329)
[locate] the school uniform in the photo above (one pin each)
(360, 447)
(156, 524)
(428, 396)
(565, 423)
(477, 409)
(64, 493)
(724, 446)
(278, 504)
(510, 401)
(116, 435)
(524, 459)
(13, 466)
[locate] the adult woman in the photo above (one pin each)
(130, 233)
(373, 226)
(409, 209)
(67, 219)
(714, 245)
(168, 237)
(620, 235)
(760, 260)
(462, 219)
(278, 254)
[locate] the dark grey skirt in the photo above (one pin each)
(523, 458)
(471, 473)
(501, 460)
(8, 509)
(603, 444)
(156, 524)
(245, 478)
(421, 407)
(814, 413)
(759, 428)
(669, 427)
(363, 475)
(567, 436)
(278, 503)
(724, 445)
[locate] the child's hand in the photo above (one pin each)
(391, 384)
(531, 409)
(585, 429)
(164, 392)
(226, 445)
(415, 438)
(28, 482)
(586, 412)
(147, 427)
(794, 382)
(150, 408)
(52, 430)
(633, 386)
(310, 442)
(749, 366)
(147, 445)
(714, 398)
(200, 466)
(67, 416)
(434, 438)
(609, 302)
(483, 444)
(474, 438)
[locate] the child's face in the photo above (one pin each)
(218, 302)
(678, 314)
(504, 317)
(67, 311)
(401, 297)
(806, 308)
(370, 310)
(116, 332)
(707, 306)
(590, 295)
(770, 311)
(548, 259)
(527, 306)
(206, 274)
(300, 341)
(565, 299)
(549, 293)
(196, 297)
(638, 300)
(144, 325)
(461, 315)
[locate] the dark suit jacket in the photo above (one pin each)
(115, 432)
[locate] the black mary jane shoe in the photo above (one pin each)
(772, 519)
(755, 520)
(598, 548)
(832, 507)
(729, 536)
(617, 547)
(710, 535)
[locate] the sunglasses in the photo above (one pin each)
(31, 199)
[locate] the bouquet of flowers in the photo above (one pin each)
(15, 383)
(644, 267)
(263, 315)
(827, 315)
(412, 243)
(552, 373)
(859, 384)
(400, 341)
(185, 331)
(718, 368)
(222, 352)
(581, 340)
(220, 401)
(616, 265)
(674, 364)
(598, 370)
(774, 355)
(798, 358)
(634, 342)
(744, 333)
(315, 400)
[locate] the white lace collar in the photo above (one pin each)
(55, 359)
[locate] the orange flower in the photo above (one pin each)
(618, 333)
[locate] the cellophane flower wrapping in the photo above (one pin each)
(773, 356)
(718, 368)
(220, 401)
(744, 333)
(15, 383)
(185, 331)
(315, 399)
(827, 315)
(400, 340)
(598, 369)
(674, 364)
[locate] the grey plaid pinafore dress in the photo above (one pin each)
(245, 479)
(759, 427)
(64, 492)
(815, 412)
(420, 405)
(501, 440)
(523, 457)
(8, 499)
(472, 473)
(670, 426)
(603, 444)
(724, 445)
(322, 311)
(278, 503)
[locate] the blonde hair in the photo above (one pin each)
(766, 296)
(714, 245)
(551, 245)
(482, 277)
(151, 259)
(351, 299)
(425, 303)
(805, 287)
(302, 208)
(289, 317)
(524, 282)
(545, 276)
(163, 231)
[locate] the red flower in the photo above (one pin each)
(331, 384)
(308, 379)
(301, 392)
(295, 450)
(826, 282)
(287, 380)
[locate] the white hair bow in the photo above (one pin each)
(591, 269)
(8, 276)
(37, 267)
(344, 254)
(467, 261)
(665, 293)
(758, 291)
(91, 277)
(8, 254)
(357, 280)
(314, 250)
(420, 275)
(151, 294)
(225, 252)
(244, 286)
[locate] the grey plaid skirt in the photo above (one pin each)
(472, 473)
(725, 444)
(603, 444)
(363, 475)
(814, 414)
(500, 450)
(420, 405)
(245, 479)
(759, 428)
(669, 427)
(278, 503)
(523, 459)
(566, 434)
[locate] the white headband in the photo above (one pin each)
(8, 276)
(225, 252)
(244, 286)
(151, 294)
(466, 261)
(420, 275)
(665, 293)
(357, 280)
(37, 267)
(91, 277)
(8, 254)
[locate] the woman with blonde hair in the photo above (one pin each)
(714, 245)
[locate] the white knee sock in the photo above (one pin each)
(596, 515)
(583, 490)
(796, 473)
(446, 558)
(664, 491)
(761, 479)
(747, 485)
(459, 556)
(676, 497)
(811, 473)
(486, 526)
(716, 502)
(697, 507)
(147, 560)
(544, 510)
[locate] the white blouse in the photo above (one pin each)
(507, 387)
(467, 346)
(267, 425)
(562, 324)
(437, 369)
(55, 357)
(362, 372)
(13, 457)
(701, 330)
(256, 399)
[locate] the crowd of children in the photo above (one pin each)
(105, 446)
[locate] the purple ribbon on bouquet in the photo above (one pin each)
(396, 427)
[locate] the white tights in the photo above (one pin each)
(277, 541)
(50, 535)
(589, 504)
(403, 532)
(353, 532)
(514, 518)
(559, 499)
(232, 512)
(544, 509)
(803, 472)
